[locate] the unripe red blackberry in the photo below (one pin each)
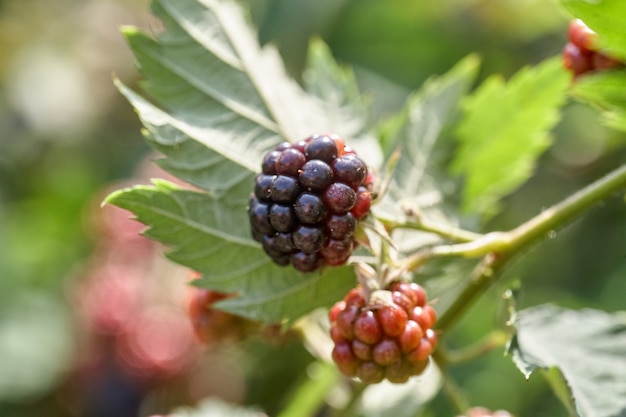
(307, 202)
(212, 325)
(580, 54)
(380, 338)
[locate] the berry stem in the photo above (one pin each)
(498, 248)
(446, 231)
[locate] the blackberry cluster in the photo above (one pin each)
(307, 201)
(580, 55)
(388, 337)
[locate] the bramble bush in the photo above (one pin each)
(386, 288)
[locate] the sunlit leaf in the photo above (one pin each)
(210, 234)
(587, 346)
(504, 130)
(417, 135)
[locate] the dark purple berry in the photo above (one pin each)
(263, 186)
(259, 217)
(284, 189)
(308, 239)
(316, 175)
(282, 218)
(309, 208)
(340, 226)
(305, 262)
(268, 166)
(363, 202)
(289, 162)
(282, 146)
(322, 148)
(339, 198)
(271, 247)
(350, 170)
(284, 242)
(336, 252)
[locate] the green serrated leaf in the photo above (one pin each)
(561, 389)
(587, 346)
(189, 159)
(504, 130)
(215, 102)
(218, 87)
(416, 134)
(606, 18)
(210, 234)
(337, 86)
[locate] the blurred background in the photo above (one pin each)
(93, 319)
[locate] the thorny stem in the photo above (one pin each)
(499, 248)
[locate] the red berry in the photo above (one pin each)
(362, 203)
(382, 337)
(576, 60)
(424, 316)
(580, 35)
(393, 319)
(345, 359)
(370, 373)
(410, 337)
(367, 328)
(386, 352)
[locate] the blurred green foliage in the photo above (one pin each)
(66, 134)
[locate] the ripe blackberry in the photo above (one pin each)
(381, 338)
(307, 201)
(580, 54)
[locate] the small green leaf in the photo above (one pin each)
(417, 134)
(606, 18)
(504, 130)
(587, 346)
(210, 234)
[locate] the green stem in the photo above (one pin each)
(446, 231)
(499, 248)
